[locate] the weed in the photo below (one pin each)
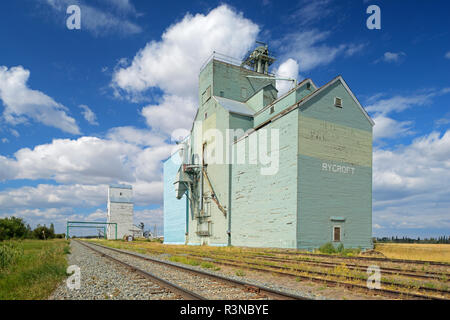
(240, 273)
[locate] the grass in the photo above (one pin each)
(415, 251)
(35, 272)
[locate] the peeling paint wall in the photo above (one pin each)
(264, 207)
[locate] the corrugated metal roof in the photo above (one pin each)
(234, 106)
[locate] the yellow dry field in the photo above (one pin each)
(415, 251)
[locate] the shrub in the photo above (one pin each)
(327, 248)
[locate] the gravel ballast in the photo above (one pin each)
(103, 279)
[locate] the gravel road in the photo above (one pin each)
(102, 279)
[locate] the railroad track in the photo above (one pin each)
(306, 275)
(428, 275)
(189, 283)
(379, 259)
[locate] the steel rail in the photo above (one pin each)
(392, 260)
(186, 294)
(335, 282)
(439, 291)
(276, 294)
(327, 264)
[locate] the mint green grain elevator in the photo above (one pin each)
(270, 170)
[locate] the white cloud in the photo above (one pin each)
(174, 112)
(380, 109)
(288, 69)
(309, 49)
(53, 196)
(173, 63)
(411, 183)
(132, 135)
(447, 55)
(98, 20)
(87, 160)
(390, 57)
(22, 103)
(150, 218)
(310, 12)
(386, 127)
(89, 115)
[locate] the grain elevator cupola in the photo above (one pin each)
(259, 59)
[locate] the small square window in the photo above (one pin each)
(338, 102)
(336, 234)
(272, 110)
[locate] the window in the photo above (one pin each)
(206, 115)
(338, 102)
(308, 86)
(272, 110)
(336, 234)
(121, 193)
(222, 94)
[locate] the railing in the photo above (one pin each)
(222, 57)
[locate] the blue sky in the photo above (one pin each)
(81, 109)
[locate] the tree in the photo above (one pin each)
(13, 228)
(43, 233)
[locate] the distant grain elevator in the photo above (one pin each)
(120, 210)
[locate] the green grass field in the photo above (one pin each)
(31, 269)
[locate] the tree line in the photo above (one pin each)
(16, 228)
(438, 240)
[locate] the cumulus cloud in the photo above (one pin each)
(172, 64)
(47, 196)
(386, 127)
(114, 18)
(87, 160)
(174, 112)
(132, 135)
(410, 183)
(150, 218)
(89, 115)
(23, 104)
(288, 69)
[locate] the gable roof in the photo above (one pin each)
(312, 95)
(338, 78)
(235, 106)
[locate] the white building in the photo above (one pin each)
(120, 211)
